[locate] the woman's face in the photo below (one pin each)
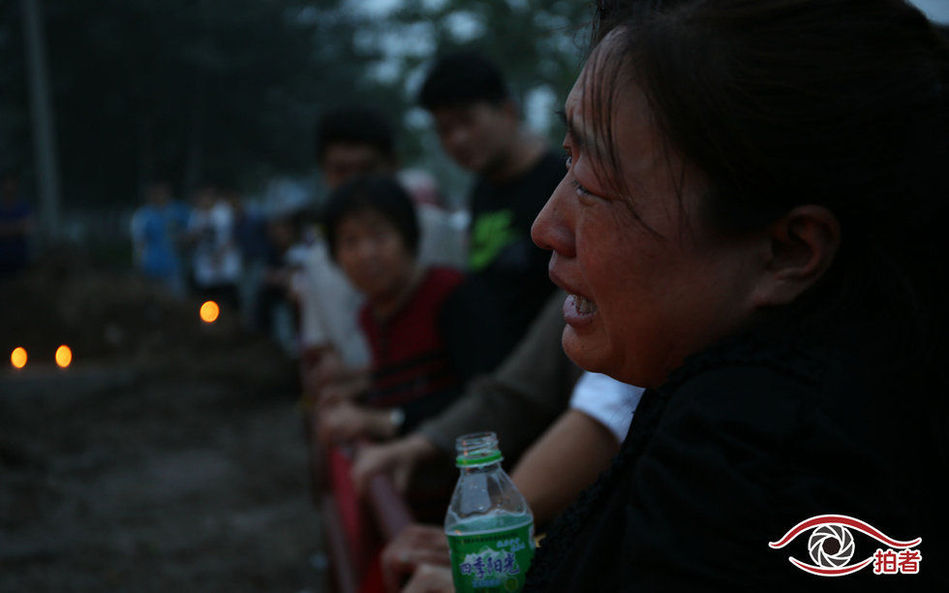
(649, 281)
(372, 254)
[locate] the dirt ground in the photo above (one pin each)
(168, 457)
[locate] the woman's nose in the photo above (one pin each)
(551, 229)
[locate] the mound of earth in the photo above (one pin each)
(168, 456)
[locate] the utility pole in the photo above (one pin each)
(44, 142)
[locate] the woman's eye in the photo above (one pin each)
(581, 191)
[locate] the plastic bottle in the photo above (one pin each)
(489, 526)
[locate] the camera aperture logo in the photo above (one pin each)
(831, 548)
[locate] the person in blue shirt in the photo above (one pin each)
(156, 228)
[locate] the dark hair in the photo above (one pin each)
(779, 103)
(354, 125)
(463, 78)
(377, 193)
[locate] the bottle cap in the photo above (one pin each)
(476, 449)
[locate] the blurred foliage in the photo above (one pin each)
(228, 91)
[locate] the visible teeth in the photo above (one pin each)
(583, 305)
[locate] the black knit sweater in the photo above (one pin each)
(741, 444)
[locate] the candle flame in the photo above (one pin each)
(209, 311)
(18, 357)
(63, 356)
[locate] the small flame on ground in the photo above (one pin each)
(18, 357)
(209, 312)
(63, 356)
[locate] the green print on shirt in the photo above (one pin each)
(491, 233)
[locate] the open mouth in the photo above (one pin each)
(583, 305)
(578, 311)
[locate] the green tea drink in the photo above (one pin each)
(489, 526)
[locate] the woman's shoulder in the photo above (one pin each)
(774, 386)
(748, 356)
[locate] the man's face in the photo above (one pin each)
(476, 136)
(344, 160)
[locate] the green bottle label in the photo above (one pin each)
(491, 561)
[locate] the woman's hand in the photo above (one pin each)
(398, 458)
(346, 421)
(415, 547)
(347, 390)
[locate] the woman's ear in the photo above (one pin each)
(801, 245)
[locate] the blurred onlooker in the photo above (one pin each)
(271, 251)
(349, 141)
(276, 310)
(157, 230)
(16, 226)
(354, 141)
(250, 235)
(358, 140)
(216, 259)
(479, 127)
(427, 338)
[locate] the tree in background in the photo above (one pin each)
(228, 90)
(223, 90)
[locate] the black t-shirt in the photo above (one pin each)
(507, 269)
